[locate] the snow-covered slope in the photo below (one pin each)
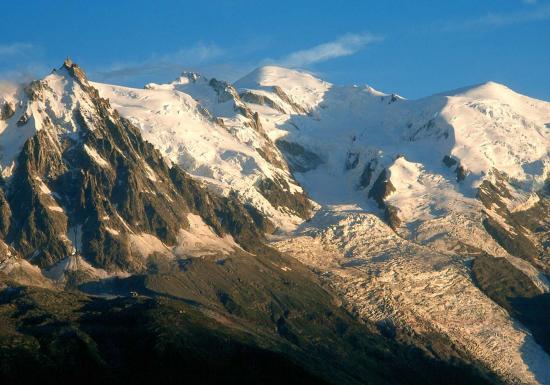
(84, 197)
(423, 145)
(409, 193)
(447, 173)
(398, 283)
(203, 126)
(304, 89)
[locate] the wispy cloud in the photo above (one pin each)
(539, 13)
(14, 49)
(228, 64)
(198, 54)
(344, 46)
(20, 62)
(7, 87)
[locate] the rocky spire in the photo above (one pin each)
(68, 63)
(74, 70)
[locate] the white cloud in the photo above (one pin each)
(7, 87)
(196, 54)
(160, 63)
(540, 13)
(344, 46)
(21, 62)
(14, 49)
(228, 64)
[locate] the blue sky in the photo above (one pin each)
(414, 48)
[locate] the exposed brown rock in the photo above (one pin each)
(262, 100)
(299, 159)
(381, 188)
(285, 98)
(7, 111)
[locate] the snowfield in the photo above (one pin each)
(385, 278)
(418, 276)
(357, 152)
(206, 138)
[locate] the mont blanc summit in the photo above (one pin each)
(342, 233)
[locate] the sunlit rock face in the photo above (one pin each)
(291, 209)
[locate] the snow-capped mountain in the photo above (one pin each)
(84, 193)
(455, 176)
(205, 127)
(428, 219)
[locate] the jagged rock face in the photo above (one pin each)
(518, 223)
(515, 292)
(449, 161)
(88, 194)
(5, 215)
(352, 160)
(460, 170)
(381, 188)
(262, 100)
(204, 126)
(285, 98)
(366, 175)
(299, 158)
(6, 111)
(90, 190)
(276, 192)
(225, 91)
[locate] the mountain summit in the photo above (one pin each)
(85, 185)
(339, 232)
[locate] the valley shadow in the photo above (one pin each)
(513, 290)
(534, 313)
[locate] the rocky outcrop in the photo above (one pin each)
(459, 169)
(262, 100)
(5, 215)
(366, 175)
(515, 292)
(352, 160)
(285, 98)
(381, 188)
(501, 281)
(391, 215)
(249, 96)
(6, 110)
(279, 195)
(89, 191)
(225, 90)
(23, 120)
(461, 173)
(520, 232)
(449, 161)
(299, 158)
